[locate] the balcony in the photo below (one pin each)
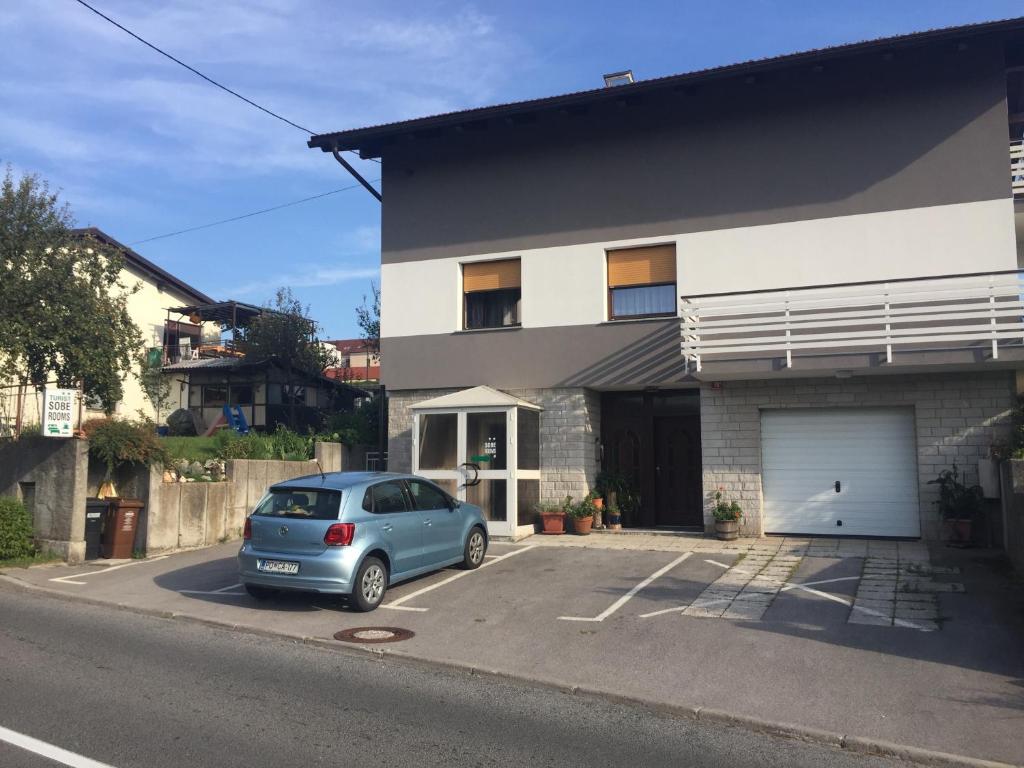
(956, 321)
(176, 353)
(1017, 168)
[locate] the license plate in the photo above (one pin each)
(277, 566)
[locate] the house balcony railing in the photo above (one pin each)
(1017, 168)
(176, 353)
(881, 320)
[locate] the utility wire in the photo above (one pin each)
(195, 71)
(247, 215)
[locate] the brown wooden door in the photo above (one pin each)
(677, 480)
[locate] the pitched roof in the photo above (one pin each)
(477, 397)
(144, 265)
(368, 139)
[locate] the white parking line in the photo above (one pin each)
(629, 595)
(396, 605)
(69, 579)
(48, 751)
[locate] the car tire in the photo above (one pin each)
(257, 592)
(370, 584)
(474, 550)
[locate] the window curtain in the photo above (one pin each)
(644, 300)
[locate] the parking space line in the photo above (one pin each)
(629, 595)
(49, 751)
(69, 578)
(226, 591)
(397, 604)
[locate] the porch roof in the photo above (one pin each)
(476, 397)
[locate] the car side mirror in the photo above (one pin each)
(454, 504)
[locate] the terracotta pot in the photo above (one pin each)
(582, 525)
(599, 503)
(553, 522)
(727, 530)
(960, 530)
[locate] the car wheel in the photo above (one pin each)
(475, 549)
(370, 585)
(257, 592)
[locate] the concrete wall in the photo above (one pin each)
(570, 428)
(958, 417)
(186, 515)
(50, 474)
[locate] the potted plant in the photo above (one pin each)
(959, 504)
(614, 517)
(618, 490)
(552, 518)
(727, 517)
(582, 514)
(595, 497)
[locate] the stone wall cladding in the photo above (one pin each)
(958, 417)
(570, 428)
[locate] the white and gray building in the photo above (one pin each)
(795, 279)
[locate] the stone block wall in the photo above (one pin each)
(570, 430)
(958, 417)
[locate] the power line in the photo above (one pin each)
(195, 71)
(247, 215)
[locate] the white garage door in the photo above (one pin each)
(840, 471)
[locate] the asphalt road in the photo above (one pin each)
(129, 690)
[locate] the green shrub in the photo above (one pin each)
(118, 443)
(15, 530)
(192, 448)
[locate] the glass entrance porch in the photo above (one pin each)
(483, 447)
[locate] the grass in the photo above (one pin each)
(191, 448)
(24, 562)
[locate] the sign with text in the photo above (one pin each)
(59, 412)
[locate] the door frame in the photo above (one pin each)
(511, 474)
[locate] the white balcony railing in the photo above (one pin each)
(1017, 167)
(932, 313)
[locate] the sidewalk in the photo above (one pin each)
(764, 630)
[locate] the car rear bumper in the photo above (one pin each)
(330, 572)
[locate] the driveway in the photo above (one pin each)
(879, 640)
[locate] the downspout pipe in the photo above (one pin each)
(355, 174)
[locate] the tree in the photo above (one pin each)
(284, 333)
(156, 385)
(368, 320)
(63, 309)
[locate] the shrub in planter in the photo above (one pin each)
(582, 514)
(552, 518)
(118, 443)
(15, 530)
(958, 503)
(727, 517)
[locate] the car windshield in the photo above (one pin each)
(300, 503)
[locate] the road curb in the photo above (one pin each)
(857, 744)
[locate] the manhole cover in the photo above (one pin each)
(373, 635)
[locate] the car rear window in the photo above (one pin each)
(300, 503)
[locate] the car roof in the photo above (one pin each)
(338, 481)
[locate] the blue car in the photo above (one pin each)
(355, 534)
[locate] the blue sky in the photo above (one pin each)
(141, 147)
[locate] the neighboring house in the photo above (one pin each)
(147, 308)
(795, 279)
(357, 362)
(216, 373)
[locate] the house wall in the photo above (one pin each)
(957, 416)
(870, 170)
(148, 310)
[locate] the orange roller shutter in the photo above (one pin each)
(490, 275)
(642, 266)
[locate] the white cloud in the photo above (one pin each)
(313, 276)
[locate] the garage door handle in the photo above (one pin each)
(839, 487)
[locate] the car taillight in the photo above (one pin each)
(247, 531)
(340, 534)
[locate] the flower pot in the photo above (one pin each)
(582, 525)
(599, 506)
(727, 530)
(960, 531)
(553, 522)
(615, 522)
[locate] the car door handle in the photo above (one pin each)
(426, 522)
(387, 527)
(839, 486)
